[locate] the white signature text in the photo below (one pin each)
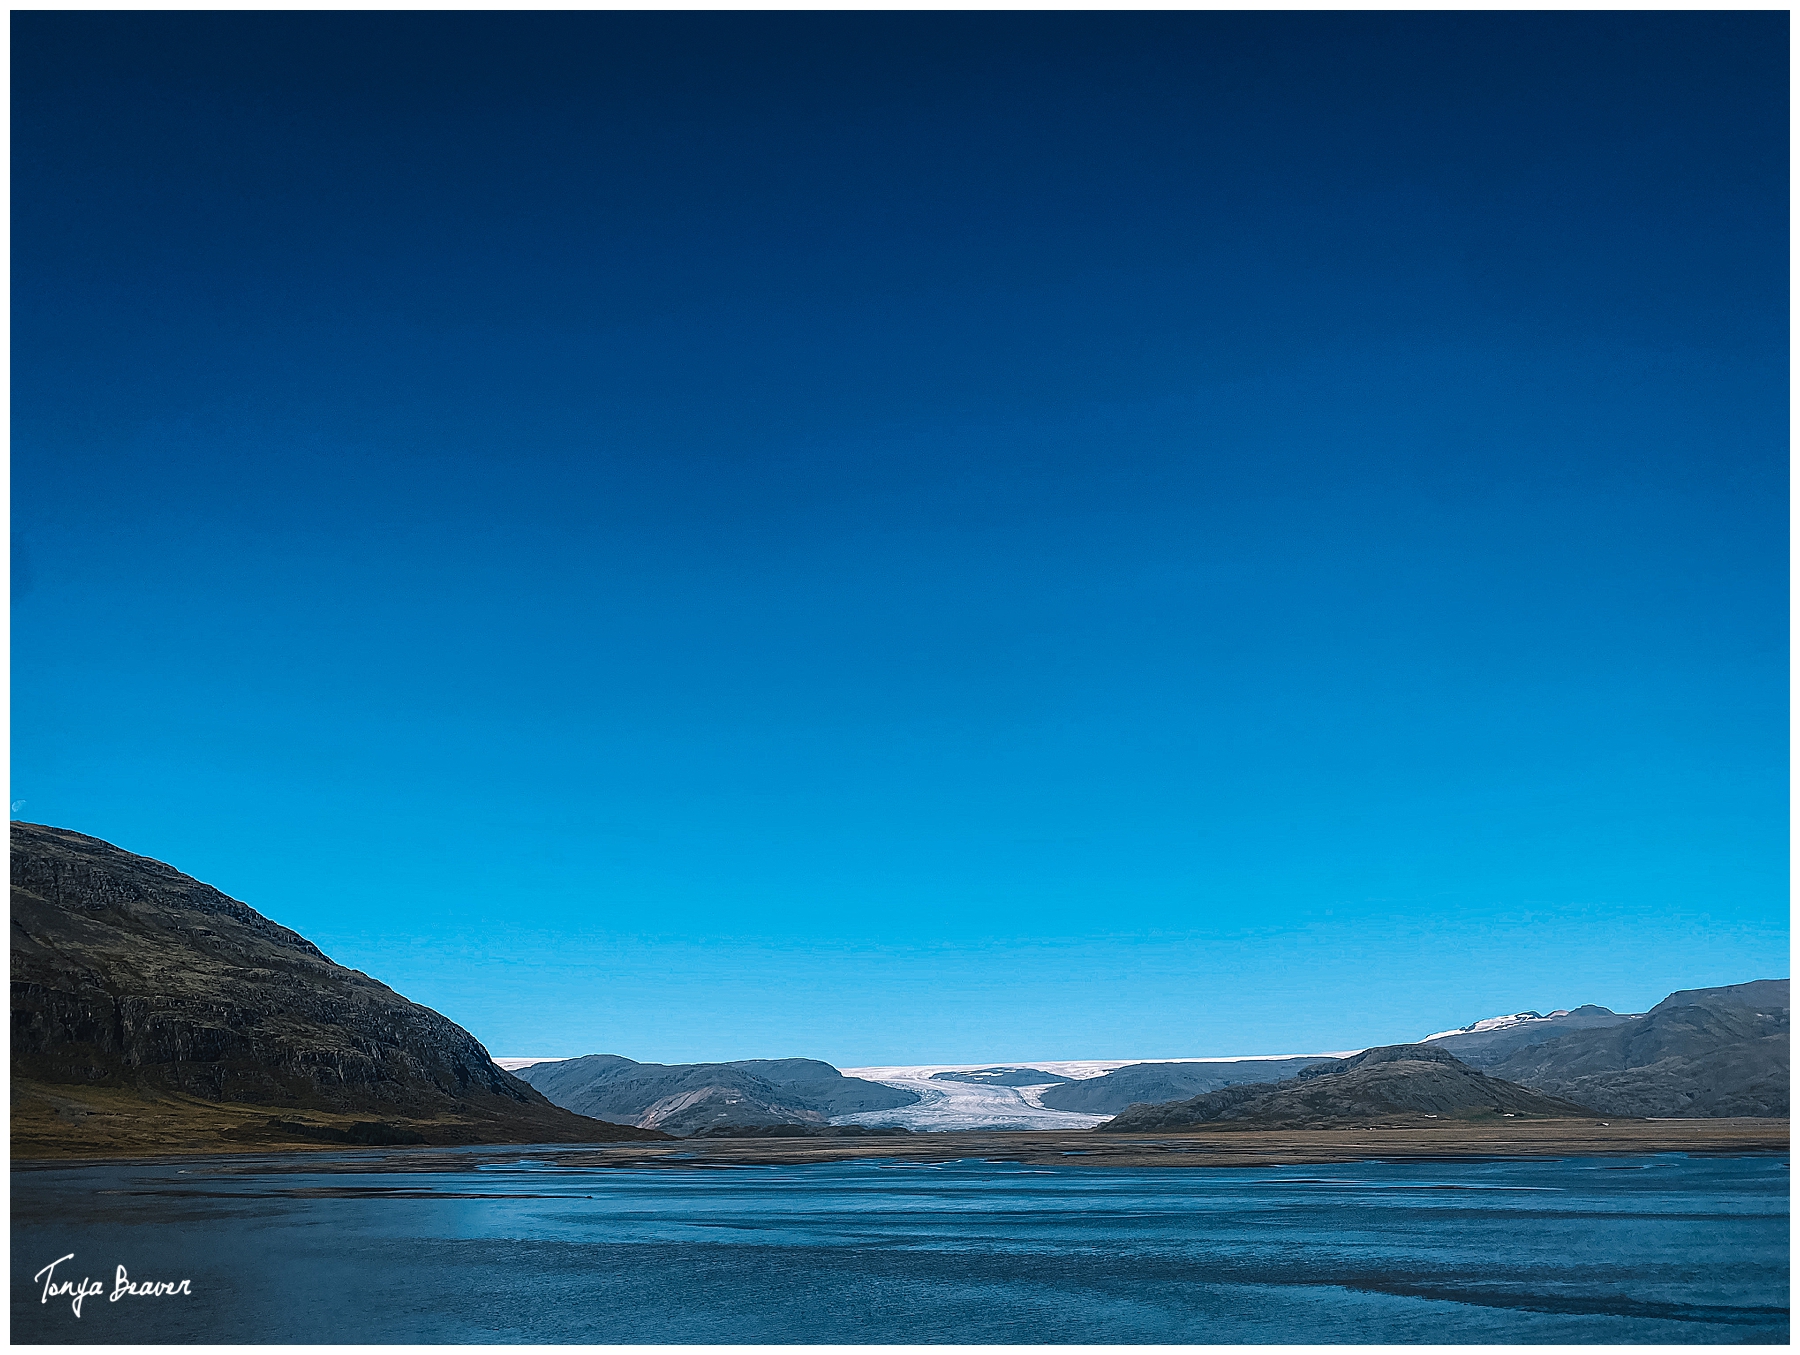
(84, 1288)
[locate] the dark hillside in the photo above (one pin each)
(136, 985)
(1705, 1051)
(1154, 1083)
(1411, 1084)
(686, 1098)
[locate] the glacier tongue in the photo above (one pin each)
(971, 1105)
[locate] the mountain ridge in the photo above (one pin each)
(1392, 1084)
(688, 1098)
(1708, 1052)
(1486, 1042)
(135, 985)
(1154, 1083)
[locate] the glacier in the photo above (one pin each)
(944, 1106)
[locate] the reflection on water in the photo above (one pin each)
(515, 1247)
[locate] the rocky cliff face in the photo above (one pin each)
(1415, 1083)
(128, 976)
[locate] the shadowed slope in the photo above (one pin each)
(135, 984)
(1410, 1083)
(1156, 1083)
(1702, 1051)
(685, 1098)
(1507, 1035)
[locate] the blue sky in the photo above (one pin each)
(906, 537)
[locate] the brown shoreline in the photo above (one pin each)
(1069, 1148)
(52, 1122)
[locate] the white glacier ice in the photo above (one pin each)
(974, 1105)
(968, 1105)
(1497, 1023)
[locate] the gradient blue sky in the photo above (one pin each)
(905, 537)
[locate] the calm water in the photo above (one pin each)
(516, 1248)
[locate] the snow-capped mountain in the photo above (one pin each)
(1486, 1042)
(1498, 1023)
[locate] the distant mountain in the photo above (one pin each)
(150, 1012)
(1153, 1083)
(1489, 1041)
(821, 1087)
(1760, 995)
(1412, 1084)
(1004, 1077)
(685, 1098)
(1699, 1052)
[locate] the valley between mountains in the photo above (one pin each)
(153, 1014)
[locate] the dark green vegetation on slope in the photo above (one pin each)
(686, 1098)
(1703, 1051)
(1409, 1083)
(150, 1012)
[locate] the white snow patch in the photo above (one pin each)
(513, 1065)
(1498, 1023)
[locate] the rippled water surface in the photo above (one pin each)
(517, 1248)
